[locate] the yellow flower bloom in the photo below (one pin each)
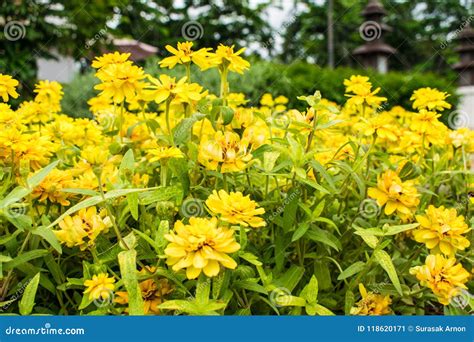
(52, 185)
(371, 304)
(226, 151)
(443, 276)
(236, 208)
(441, 230)
(380, 124)
(99, 103)
(100, 287)
(430, 99)
(462, 137)
(397, 196)
(83, 228)
(226, 57)
(164, 153)
(185, 55)
(200, 246)
(49, 94)
(366, 96)
(152, 291)
(120, 81)
(166, 88)
(7, 87)
(110, 58)
(424, 121)
(357, 84)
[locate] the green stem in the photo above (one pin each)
(168, 125)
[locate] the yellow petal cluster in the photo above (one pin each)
(235, 208)
(200, 246)
(443, 276)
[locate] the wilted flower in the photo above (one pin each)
(371, 304)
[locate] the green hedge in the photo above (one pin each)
(291, 80)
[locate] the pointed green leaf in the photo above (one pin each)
(28, 299)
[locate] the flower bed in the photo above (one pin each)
(173, 200)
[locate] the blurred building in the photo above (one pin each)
(64, 68)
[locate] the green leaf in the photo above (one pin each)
(318, 210)
(96, 200)
(300, 231)
(385, 261)
(48, 235)
(182, 131)
(28, 299)
(393, 230)
(25, 257)
(351, 270)
(128, 162)
(38, 177)
(322, 311)
(349, 301)
(179, 167)
(180, 305)
(291, 278)
(321, 170)
(250, 258)
(310, 291)
(127, 262)
(250, 285)
(291, 206)
(269, 160)
(5, 258)
(159, 194)
(319, 235)
(132, 201)
(287, 300)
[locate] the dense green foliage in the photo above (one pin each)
(288, 80)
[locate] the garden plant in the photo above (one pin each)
(173, 200)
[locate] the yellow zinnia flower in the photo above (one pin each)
(235, 208)
(200, 246)
(185, 55)
(357, 84)
(120, 81)
(51, 187)
(7, 87)
(110, 58)
(226, 151)
(430, 99)
(49, 94)
(441, 230)
(371, 304)
(164, 153)
(443, 276)
(226, 57)
(397, 196)
(100, 287)
(86, 224)
(166, 88)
